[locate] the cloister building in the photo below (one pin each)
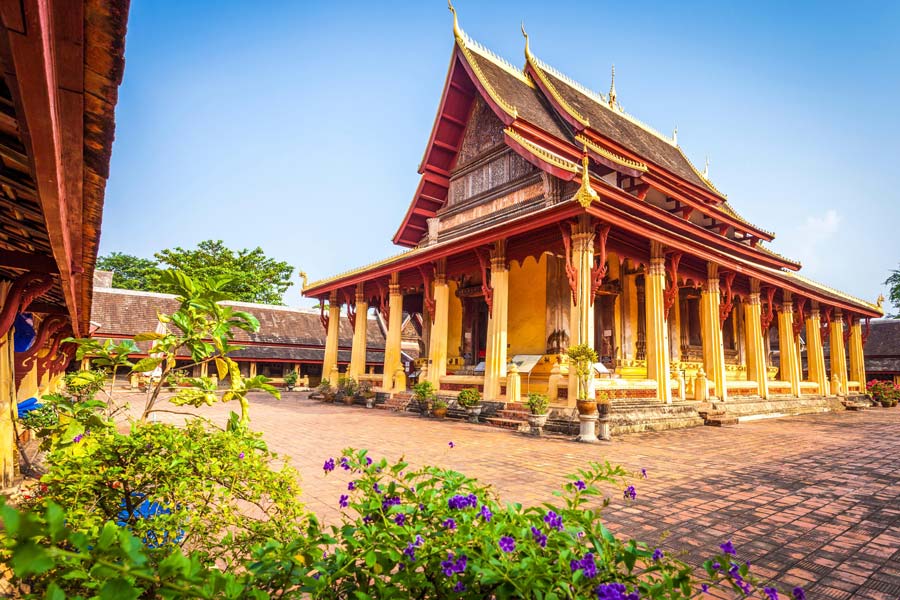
(547, 216)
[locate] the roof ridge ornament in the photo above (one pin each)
(675, 136)
(706, 168)
(456, 30)
(612, 88)
(586, 194)
(527, 47)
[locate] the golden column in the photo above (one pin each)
(581, 314)
(787, 354)
(392, 343)
(437, 347)
(657, 330)
(838, 360)
(495, 349)
(857, 361)
(329, 364)
(358, 349)
(711, 332)
(815, 352)
(754, 342)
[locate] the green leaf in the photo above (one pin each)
(30, 559)
(54, 592)
(73, 429)
(119, 589)
(149, 336)
(370, 558)
(146, 364)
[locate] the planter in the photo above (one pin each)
(289, 388)
(603, 409)
(473, 412)
(588, 428)
(885, 403)
(586, 407)
(537, 423)
(440, 413)
(348, 400)
(370, 402)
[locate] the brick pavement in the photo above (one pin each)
(811, 500)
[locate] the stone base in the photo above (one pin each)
(632, 416)
(749, 409)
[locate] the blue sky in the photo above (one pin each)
(298, 126)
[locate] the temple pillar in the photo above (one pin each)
(657, 330)
(787, 354)
(711, 332)
(360, 330)
(437, 347)
(392, 342)
(754, 342)
(857, 361)
(815, 352)
(329, 364)
(8, 456)
(581, 315)
(253, 369)
(497, 334)
(838, 359)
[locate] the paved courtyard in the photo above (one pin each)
(811, 500)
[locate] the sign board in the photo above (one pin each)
(479, 368)
(526, 362)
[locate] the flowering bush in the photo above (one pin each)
(884, 392)
(469, 397)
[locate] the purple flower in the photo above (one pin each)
(410, 551)
(615, 591)
(376, 488)
(580, 485)
(507, 544)
(367, 519)
(799, 594)
(644, 473)
(460, 587)
(771, 593)
(587, 565)
(716, 566)
(451, 444)
(77, 439)
(400, 519)
(351, 486)
(241, 456)
(539, 537)
(486, 513)
(449, 524)
(630, 492)
(387, 503)
(460, 502)
(728, 548)
(657, 554)
(368, 461)
(553, 520)
(704, 588)
(452, 567)
(329, 465)
(345, 464)
(343, 500)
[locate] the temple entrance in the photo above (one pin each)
(474, 330)
(605, 334)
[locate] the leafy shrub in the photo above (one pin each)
(423, 395)
(290, 378)
(469, 397)
(537, 403)
(582, 357)
(884, 392)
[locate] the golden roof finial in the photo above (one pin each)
(456, 30)
(675, 136)
(585, 194)
(706, 168)
(612, 88)
(527, 47)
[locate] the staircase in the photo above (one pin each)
(514, 415)
(633, 415)
(396, 403)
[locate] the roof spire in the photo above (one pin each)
(585, 194)
(706, 168)
(527, 47)
(612, 89)
(456, 30)
(675, 136)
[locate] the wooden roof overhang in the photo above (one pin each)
(62, 63)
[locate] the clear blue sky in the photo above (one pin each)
(298, 126)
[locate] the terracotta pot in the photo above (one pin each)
(348, 400)
(440, 413)
(586, 407)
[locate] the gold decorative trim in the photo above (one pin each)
(727, 208)
(831, 290)
(586, 195)
(358, 270)
(700, 175)
(543, 153)
(621, 160)
(539, 69)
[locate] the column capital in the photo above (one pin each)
(360, 293)
(498, 256)
(333, 298)
(754, 286)
(440, 271)
(753, 298)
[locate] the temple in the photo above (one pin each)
(548, 216)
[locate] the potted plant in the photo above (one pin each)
(538, 407)
(325, 391)
(347, 390)
(290, 380)
(439, 407)
(366, 392)
(423, 394)
(883, 392)
(470, 399)
(582, 358)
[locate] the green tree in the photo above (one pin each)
(129, 272)
(252, 276)
(894, 292)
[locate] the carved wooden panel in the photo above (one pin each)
(483, 132)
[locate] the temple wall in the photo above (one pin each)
(527, 306)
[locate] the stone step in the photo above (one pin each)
(720, 421)
(513, 414)
(397, 403)
(514, 424)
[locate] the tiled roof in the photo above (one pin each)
(884, 338)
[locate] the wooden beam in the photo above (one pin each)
(46, 308)
(30, 262)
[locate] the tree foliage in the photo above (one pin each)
(251, 275)
(894, 292)
(129, 272)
